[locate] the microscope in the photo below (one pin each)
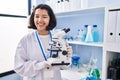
(59, 48)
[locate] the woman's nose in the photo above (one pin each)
(40, 19)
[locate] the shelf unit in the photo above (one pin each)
(109, 50)
(84, 12)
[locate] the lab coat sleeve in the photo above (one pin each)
(23, 65)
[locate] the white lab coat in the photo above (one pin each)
(29, 62)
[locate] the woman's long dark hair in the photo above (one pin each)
(51, 14)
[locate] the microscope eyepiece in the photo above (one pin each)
(66, 30)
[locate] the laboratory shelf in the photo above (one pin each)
(68, 75)
(112, 47)
(80, 12)
(97, 44)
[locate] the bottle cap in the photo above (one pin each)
(94, 25)
(85, 26)
(78, 29)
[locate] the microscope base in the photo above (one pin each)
(57, 64)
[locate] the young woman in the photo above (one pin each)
(32, 57)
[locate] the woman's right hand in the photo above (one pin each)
(47, 64)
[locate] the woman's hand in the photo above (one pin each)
(47, 64)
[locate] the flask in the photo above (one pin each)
(94, 71)
(84, 4)
(67, 5)
(89, 37)
(58, 6)
(95, 33)
(84, 32)
(62, 5)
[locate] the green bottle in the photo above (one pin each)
(94, 71)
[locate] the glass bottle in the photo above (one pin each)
(84, 32)
(95, 33)
(79, 34)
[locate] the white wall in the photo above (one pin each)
(14, 7)
(13, 26)
(11, 31)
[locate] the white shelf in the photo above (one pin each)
(80, 12)
(86, 44)
(112, 47)
(72, 75)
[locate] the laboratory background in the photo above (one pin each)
(94, 36)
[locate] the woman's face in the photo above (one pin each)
(41, 19)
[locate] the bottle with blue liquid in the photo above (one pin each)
(84, 32)
(95, 34)
(75, 61)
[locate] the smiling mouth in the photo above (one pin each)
(40, 24)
